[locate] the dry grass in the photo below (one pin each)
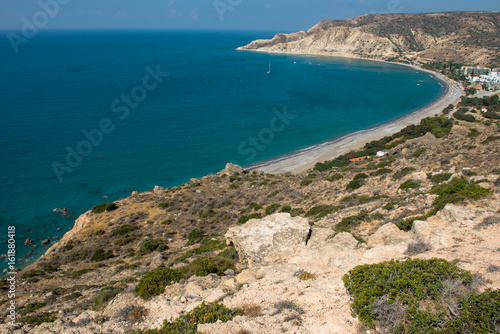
(305, 275)
(252, 310)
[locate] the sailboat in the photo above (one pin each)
(269, 72)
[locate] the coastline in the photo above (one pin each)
(300, 161)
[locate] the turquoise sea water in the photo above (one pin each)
(216, 105)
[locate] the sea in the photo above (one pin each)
(89, 116)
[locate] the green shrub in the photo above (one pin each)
(473, 133)
(105, 296)
(68, 246)
(489, 139)
(165, 205)
(382, 171)
(418, 152)
(347, 223)
(151, 245)
(407, 223)
(480, 313)
(205, 265)
(100, 255)
(360, 176)
(272, 209)
(335, 177)
(457, 190)
(124, 229)
(229, 253)
(440, 178)
(206, 246)
(195, 235)
(389, 206)
(320, 211)
(286, 208)
(297, 212)
(78, 273)
(355, 184)
(40, 318)
(245, 218)
(100, 208)
(188, 322)
(154, 282)
(409, 184)
(324, 166)
(33, 307)
(403, 172)
(439, 126)
(460, 115)
(412, 284)
(208, 213)
(306, 182)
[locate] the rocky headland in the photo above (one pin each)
(457, 37)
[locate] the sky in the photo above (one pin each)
(272, 15)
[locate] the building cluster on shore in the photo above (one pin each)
(476, 75)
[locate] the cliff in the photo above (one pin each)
(460, 37)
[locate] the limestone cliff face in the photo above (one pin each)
(461, 37)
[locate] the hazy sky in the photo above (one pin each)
(282, 15)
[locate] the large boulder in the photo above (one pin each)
(273, 239)
(388, 234)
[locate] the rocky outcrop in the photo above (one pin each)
(84, 221)
(460, 37)
(232, 169)
(273, 239)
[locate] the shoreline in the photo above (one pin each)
(302, 160)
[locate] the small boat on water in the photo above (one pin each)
(269, 72)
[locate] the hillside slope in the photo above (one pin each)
(459, 37)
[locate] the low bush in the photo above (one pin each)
(188, 322)
(335, 177)
(461, 116)
(154, 282)
(306, 182)
(382, 171)
(100, 255)
(409, 184)
(195, 235)
(105, 296)
(124, 229)
(286, 208)
(40, 318)
(355, 184)
(152, 245)
(412, 284)
(403, 172)
(489, 139)
(455, 191)
(207, 245)
(418, 152)
(473, 133)
(229, 253)
(324, 166)
(272, 209)
(100, 208)
(440, 178)
(320, 211)
(347, 223)
(243, 219)
(205, 265)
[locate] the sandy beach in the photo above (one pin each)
(302, 161)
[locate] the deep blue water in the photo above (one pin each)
(190, 124)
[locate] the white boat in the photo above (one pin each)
(269, 72)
